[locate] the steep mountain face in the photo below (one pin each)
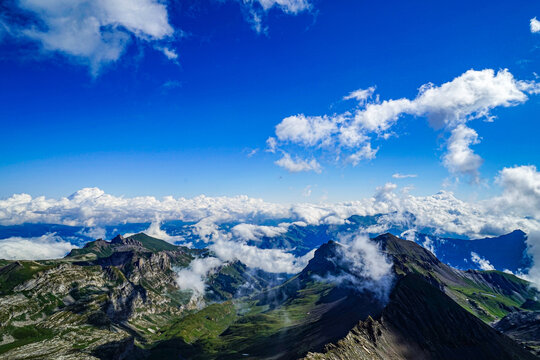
(421, 322)
(489, 295)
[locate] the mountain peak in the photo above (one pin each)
(118, 239)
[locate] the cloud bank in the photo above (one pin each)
(516, 207)
(48, 246)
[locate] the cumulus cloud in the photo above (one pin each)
(535, 25)
(460, 158)
(482, 263)
(97, 32)
(306, 130)
(516, 207)
(94, 232)
(472, 95)
(93, 32)
(298, 164)
(48, 246)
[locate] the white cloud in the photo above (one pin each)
(170, 54)
(484, 264)
(306, 130)
(94, 232)
(365, 153)
(48, 246)
(517, 207)
(297, 164)
(429, 245)
(367, 267)
(247, 232)
(269, 260)
(403, 176)
(271, 144)
(94, 32)
(460, 158)
(193, 277)
(472, 95)
(155, 230)
(535, 25)
(289, 6)
(257, 9)
(360, 95)
(521, 190)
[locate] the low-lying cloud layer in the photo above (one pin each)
(48, 246)
(516, 207)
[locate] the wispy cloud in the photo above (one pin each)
(403, 176)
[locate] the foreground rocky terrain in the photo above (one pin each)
(120, 299)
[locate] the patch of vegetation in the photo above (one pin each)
(25, 335)
(152, 243)
(17, 273)
(207, 323)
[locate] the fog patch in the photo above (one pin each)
(269, 260)
(363, 266)
(192, 278)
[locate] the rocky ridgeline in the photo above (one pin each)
(89, 304)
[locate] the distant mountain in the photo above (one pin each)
(505, 252)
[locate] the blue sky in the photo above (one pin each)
(145, 124)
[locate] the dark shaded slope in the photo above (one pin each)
(421, 322)
(524, 327)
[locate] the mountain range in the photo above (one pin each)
(120, 299)
(504, 252)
